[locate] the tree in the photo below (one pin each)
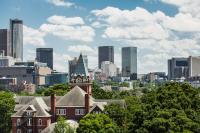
(7, 104)
(58, 89)
(62, 126)
(97, 123)
(119, 115)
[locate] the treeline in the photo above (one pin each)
(171, 108)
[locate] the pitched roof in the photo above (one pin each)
(37, 105)
(75, 97)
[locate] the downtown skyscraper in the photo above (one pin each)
(45, 55)
(16, 34)
(106, 53)
(129, 62)
(5, 43)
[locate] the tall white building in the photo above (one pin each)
(194, 66)
(108, 69)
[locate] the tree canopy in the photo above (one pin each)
(97, 123)
(7, 104)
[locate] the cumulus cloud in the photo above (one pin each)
(61, 3)
(186, 6)
(68, 28)
(61, 61)
(154, 33)
(81, 48)
(33, 36)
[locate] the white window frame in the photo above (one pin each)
(18, 130)
(79, 111)
(29, 113)
(40, 122)
(29, 122)
(18, 121)
(61, 111)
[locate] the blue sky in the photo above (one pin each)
(159, 28)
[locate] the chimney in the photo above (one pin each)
(87, 103)
(53, 107)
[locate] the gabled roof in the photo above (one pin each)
(75, 97)
(99, 105)
(81, 68)
(38, 105)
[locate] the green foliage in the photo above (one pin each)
(7, 104)
(97, 123)
(173, 107)
(62, 126)
(58, 89)
(99, 93)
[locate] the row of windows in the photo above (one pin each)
(28, 131)
(29, 122)
(63, 111)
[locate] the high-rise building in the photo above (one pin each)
(129, 62)
(45, 55)
(106, 53)
(178, 68)
(194, 64)
(5, 44)
(16, 29)
(78, 67)
(108, 69)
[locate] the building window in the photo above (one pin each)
(29, 131)
(18, 130)
(40, 122)
(39, 130)
(29, 122)
(61, 111)
(18, 121)
(79, 111)
(28, 113)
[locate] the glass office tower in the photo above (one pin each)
(45, 55)
(16, 29)
(129, 62)
(106, 53)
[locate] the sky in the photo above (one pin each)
(160, 29)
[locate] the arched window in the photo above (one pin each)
(40, 122)
(18, 122)
(18, 130)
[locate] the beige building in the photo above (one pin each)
(194, 66)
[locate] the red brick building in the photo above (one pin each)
(33, 114)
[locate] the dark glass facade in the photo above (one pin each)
(129, 62)
(5, 44)
(106, 53)
(178, 68)
(45, 55)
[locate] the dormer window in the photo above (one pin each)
(29, 113)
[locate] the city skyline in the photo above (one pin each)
(160, 29)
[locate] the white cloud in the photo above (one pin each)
(61, 3)
(33, 36)
(61, 62)
(186, 6)
(130, 24)
(82, 49)
(157, 36)
(62, 20)
(68, 28)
